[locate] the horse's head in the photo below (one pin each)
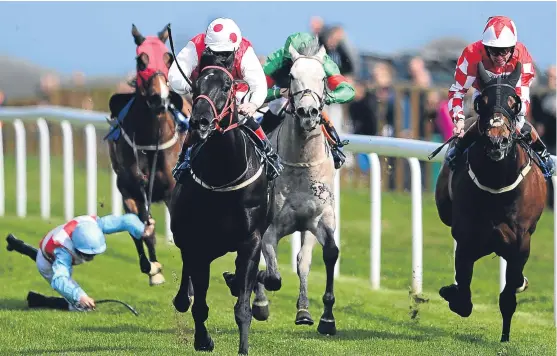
(497, 106)
(153, 61)
(214, 97)
(307, 84)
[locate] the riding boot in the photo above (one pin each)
(36, 300)
(460, 145)
(183, 162)
(271, 156)
(531, 136)
(15, 244)
(334, 141)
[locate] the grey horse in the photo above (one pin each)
(302, 196)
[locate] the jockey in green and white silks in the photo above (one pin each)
(277, 70)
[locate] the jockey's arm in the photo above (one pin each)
(273, 63)
(62, 277)
(341, 91)
(128, 222)
(187, 58)
(528, 73)
(253, 74)
(464, 77)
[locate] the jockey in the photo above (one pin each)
(499, 50)
(223, 35)
(70, 244)
(277, 67)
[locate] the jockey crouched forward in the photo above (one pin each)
(499, 51)
(224, 36)
(277, 69)
(73, 243)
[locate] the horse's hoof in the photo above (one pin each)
(156, 280)
(459, 304)
(206, 345)
(260, 310)
(524, 286)
(449, 292)
(272, 284)
(462, 308)
(303, 317)
(327, 327)
(182, 304)
(155, 268)
(505, 338)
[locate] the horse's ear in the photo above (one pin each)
(163, 35)
(293, 53)
(321, 53)
(137, 36)
(484, 77)
(515, 75)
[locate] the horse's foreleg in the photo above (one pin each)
(130, 206)
(247, 262)
(200, 309)
(459, 295)
(515, 283)
(303, 316)
(271, 277)
(325, 235)
(183, 298)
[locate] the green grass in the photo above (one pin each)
(369, 322)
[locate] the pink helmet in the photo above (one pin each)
(500, 31)
(223, 35)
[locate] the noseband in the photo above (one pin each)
(304, 92)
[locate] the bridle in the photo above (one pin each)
(229, 106)
(303, 92)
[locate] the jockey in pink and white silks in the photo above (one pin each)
(224, 36)
(71, 244)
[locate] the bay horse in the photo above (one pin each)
(145, 142)
(494, 199)
(220, 204)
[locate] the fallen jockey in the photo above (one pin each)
(73, 243)
(277, 69)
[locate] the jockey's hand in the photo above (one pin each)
(247, 109)
(87, 302)
(149, 228)
(458, 129)
(284, 93)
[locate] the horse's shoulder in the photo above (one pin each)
(117, 102)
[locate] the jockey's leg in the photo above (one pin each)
(334, 140)
(461, 144)
(183, 159)
(36, 300)
(14, 244)
(272, 157)
(533, 139)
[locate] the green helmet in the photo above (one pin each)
(299, 41)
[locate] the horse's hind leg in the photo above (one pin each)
(325, 236)
(515, 283)
(200, 309)
(247, 262)
(459, 295)
(303, 317)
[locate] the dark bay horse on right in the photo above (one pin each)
(492, 200)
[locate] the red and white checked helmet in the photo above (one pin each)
(500, 31)
(223, 35)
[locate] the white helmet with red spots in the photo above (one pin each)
(223, 35)
(499, 31)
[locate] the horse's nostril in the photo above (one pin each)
(301, 112)
(314, 112)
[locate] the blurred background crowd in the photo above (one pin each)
(399, 95)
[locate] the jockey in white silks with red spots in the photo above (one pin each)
(499, 51)
(71, 244)
(224, 36)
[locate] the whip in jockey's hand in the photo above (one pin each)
(247, 109)
(70, 244)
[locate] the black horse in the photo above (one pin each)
(220, 204)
